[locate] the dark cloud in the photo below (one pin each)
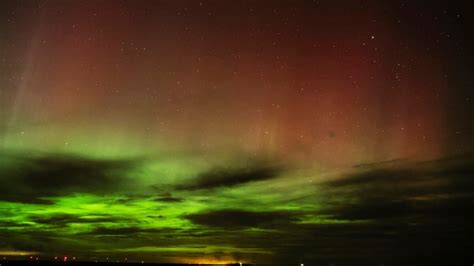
(372, 209)
(229, 177)
(29, 179)
(115, 231)
(167, 197)
(440, 189)
(64, 219)
(371, 243)
(235, 219)
(127, 231)
(130, 198)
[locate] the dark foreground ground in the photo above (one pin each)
(443, 261)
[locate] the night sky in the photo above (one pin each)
(236, 131)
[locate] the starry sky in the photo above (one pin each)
(236, 131)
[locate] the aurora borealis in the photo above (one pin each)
(236, 131)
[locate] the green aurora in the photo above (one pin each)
(154, 210)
